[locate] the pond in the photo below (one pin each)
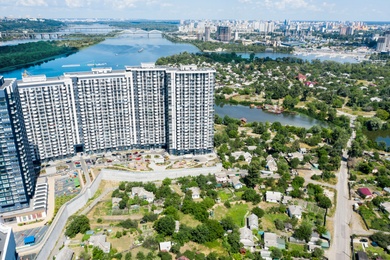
(258, 115)
(379, 136)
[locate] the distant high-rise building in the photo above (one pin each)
(346, 30)
(381, 44)
(207, 33)
(387, 37)
(224, 33)
(17, 172)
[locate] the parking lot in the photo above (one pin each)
(38, 232)
(66, 186)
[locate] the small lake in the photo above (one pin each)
(379, 136)
(258, 115)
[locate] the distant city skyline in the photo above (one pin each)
(339, 10)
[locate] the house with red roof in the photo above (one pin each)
(301, 77)
(364, 192)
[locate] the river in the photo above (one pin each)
(131, 50)
(258, 115)
(124, 50)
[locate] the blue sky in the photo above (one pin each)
(340, 10)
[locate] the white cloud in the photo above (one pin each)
(245, 1)
(77, 3)
(120, 4)
(32, 2)
(289, 4)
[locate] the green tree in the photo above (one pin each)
(318, 253)
(298, 182)
(279, 224)
(165, 225)
(79, 224)
(382, 114)
(276, 253)
(258, 212)
(303, 232)
(128, 256)
(165, 256)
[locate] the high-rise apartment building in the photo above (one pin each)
(137, 108)
(207, 33)
(190, 110)
(17, 178)
(7, 244)
(224, 33)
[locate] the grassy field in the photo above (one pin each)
(236, 212)
(267, 221)
(372, 251)
(224, 195)
(188, 220)
(296, 247)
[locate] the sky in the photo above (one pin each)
(332, 10)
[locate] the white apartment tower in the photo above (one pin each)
(190, 110)
(49, 112)
(140, 107)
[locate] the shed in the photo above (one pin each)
(29, 240)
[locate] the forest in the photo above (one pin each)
(41, 25)
(21, 55)
(228, 47)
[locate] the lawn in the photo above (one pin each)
(374, 220)
(296, 247)
(224, 195)
(236, 212)
(188, 220)
(267, 221)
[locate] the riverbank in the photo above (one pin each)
(35, 53)
(215, 46)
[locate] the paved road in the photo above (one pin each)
(340, 248)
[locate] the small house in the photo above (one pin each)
(165, 246)
(195, 192)
(65, 254)
(271, 164)
(365, 193)
(143, 194)
(385, 206)
(236, 183)
(294, 211)
(100, 241)
(272, 240)
(221, 177)
(253, 221)
(246, 237)
(273, 196)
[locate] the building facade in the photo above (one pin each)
(142, 107)
(7, 244)
(224, 33)
(17, 177)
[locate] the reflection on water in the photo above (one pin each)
(114, 52)
(379, 136)
(258, 115)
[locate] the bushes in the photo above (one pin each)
(79, 224)
(128, 223)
